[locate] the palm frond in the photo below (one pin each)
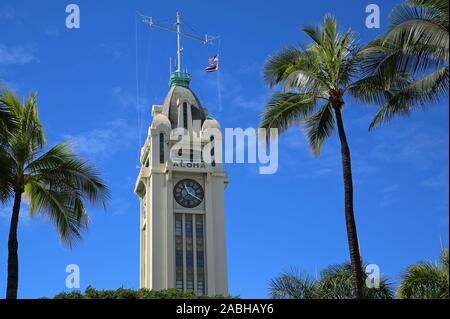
(292, 285)
(430, 87)
(423, 281)
(7, 176)
(417, 43)
(388, 59)
(406, 18)
(287, 109)
(8, 120)
(296, 69)
(418, 94)
(420, 31)
(26, 137)
(444, 259)
(11, 103)
(315, 33)
(319, 127)
(64, 207)
(330, 29)
(62, 164)
(277, 65)
(305, 79)
(57, 185)
(31, 126)
(441, 5)
(335, 282)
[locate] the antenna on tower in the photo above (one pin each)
(206, 40)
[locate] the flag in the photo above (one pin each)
(213, 64)
(214, 59)
(212, 67)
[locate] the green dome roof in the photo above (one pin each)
(180, 79)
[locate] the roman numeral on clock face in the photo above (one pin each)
(188, 193)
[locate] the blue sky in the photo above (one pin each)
(86, 84)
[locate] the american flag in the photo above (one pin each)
(213, 64)
(214, 59)
(212, 68)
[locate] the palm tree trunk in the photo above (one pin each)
(13, 260)
(352, 236)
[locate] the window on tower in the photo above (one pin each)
(179, 281)
(143, 248)
(200, 253)
(213, 162)
(185, 116)
(161, 148)
(190, 253)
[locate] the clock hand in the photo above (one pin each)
(195, 197)
(190, 194)
(187, 190)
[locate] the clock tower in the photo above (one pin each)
(182, 217)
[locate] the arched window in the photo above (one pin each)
(185, 116)
(211, 139)
(161, 148)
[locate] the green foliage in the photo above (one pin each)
(315, 80)
(292, 285)
(420, 281)
(123, 293)
(57, 183)
(417, 43)
(334, 282)
(7, 122)
(312, 80)
(426, 280)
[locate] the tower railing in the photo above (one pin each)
(180, 78)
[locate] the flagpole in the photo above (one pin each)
(206, 40)
(178, 24)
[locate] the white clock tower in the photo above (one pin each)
(182, 218)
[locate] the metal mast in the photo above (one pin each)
(177, 30)
(178, 41)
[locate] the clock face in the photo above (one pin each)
(188, 193)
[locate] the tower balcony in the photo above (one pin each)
(180, 78)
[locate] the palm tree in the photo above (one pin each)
(426, 280)
(334, 282)
(315, 81)
(56, 183)
(416, 42)
(292, 284)
(5, 119)
(6, 125)
(6, 122)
